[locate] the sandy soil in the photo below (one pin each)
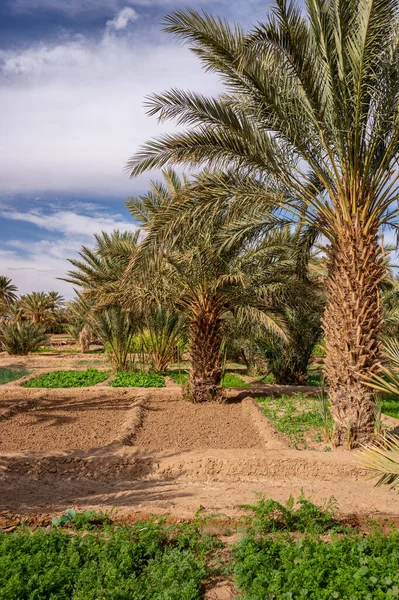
(179, 425)
(63, 424)
(62, 448)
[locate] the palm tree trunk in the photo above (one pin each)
(352, 323)
(204, 385)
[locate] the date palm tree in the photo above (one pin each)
(41, 308)
(189, 266)
(8, 293)
(98, 271)
(309, 120)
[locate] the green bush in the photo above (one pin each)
(144, 561)
(146, 380)
(21, 338)
(68, 379)
(7, 375)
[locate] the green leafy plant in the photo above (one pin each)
(146, 561)
(8, 375)
(68, 379)
(21, 338)
(324, 410)
(269, 516)
(117, 329)
(131, 379)
(342, 567)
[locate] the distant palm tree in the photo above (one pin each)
(309, 121)
(8, 293)
(39, 307)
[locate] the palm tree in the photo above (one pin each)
(37, 307)
(188, 264)
(309, 121)
(7, 293)
(99, 271)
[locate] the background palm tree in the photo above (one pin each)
(308, 121)
(40, 307)
(189, 265)
(8, 293)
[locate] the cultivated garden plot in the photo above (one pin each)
(61, 423)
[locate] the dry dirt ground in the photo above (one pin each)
(148, 452)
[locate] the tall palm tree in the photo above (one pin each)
(8, 293)
(188, 264)
(309, 120)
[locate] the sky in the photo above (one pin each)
(74, 75)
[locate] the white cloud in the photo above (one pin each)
(72, 113)
(123, 18)
(73, 7)
(35, 266)
(39, 270)
(69, 222)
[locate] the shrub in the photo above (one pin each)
(7, 375)
(116, 329)
(163, 339)
(68, 379)
(127, 379)
(22, 338)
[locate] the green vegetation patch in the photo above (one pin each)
(299, 416)
(233, 380)
(131, 379)
(144, 561)
(44, 349)
(179, 376)
(287, 551)
(68, 379)
(229, 379)
(351, 567)
(390, 405)
(8, 375)
(327, 560)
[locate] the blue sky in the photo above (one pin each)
(73, 77)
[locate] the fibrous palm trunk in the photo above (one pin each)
(352, 323)
(204, 385)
